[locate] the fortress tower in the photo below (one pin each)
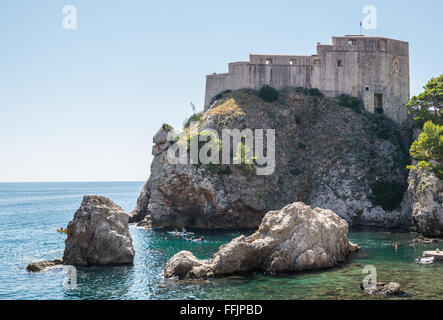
(375, 69)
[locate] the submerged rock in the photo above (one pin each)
(295, 238)
(389, 289)
(425, 240)
(98, 234)
(38, 266)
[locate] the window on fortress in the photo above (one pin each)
(340, 63)
(292, 61)
(268, 61)
(396, 64)
(351, 42)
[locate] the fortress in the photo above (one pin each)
(375, 69)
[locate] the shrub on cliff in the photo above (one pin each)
(167, 127)
(195, 117)
(428, 148)
(315, 92)
(428, 104)
(268, 93)
(350, 102)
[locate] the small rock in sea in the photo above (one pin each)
(145, 223)
(425, 241)
(98, 234)
(37, 266)
(390, 289)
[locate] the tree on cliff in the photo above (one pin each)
(428, 104)
(428, 148)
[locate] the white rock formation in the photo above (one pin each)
(295, 238)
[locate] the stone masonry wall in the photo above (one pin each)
(355, 65)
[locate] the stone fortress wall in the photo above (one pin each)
(375, 69)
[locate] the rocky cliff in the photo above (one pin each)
(328, 155)
(424, 201)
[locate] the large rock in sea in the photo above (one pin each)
(327, 156)
(295, 238)
(425, 199)
(98, 234)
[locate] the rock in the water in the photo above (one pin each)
(425, 240)
(136, 216)
(425, 199)
(296, 238)
(145, 223)
(98, 234)
(185, 265)
(38, 266)
(389, 290)
(353, 247)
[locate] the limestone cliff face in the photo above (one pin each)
(424, 201)
(327, 156)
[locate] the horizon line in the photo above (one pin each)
(73, 181)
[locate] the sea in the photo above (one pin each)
(31, 213)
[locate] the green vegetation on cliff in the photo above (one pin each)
(428, 104)
(428, 149)
(268, 93)
(353, 103)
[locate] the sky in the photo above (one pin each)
(83, 104)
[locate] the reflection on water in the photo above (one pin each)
(30, 214)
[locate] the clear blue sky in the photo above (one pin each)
(83, 105)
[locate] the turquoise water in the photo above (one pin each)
(30, 213)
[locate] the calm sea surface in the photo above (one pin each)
(30, 213)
